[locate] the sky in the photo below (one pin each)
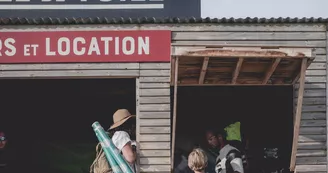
(264, 8)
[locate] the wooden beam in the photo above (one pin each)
(297, 121)
(172, 69)
(237, 70)
(298, 75)
(271, 70)
(245, 52)
(174, 111)
(203, 70)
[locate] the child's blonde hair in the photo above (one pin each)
(197, 160)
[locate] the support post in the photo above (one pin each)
(298, 114)
(174, 110)
(326, 94)
(203, 70)
(237, 70)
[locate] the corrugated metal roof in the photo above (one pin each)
(149, 20)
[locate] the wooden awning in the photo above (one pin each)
(238, 65)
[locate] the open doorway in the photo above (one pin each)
(48, 122)
(265, 114)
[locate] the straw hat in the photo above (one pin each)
(119, 117)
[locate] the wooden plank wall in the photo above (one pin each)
(154, 117)
(311, 155)
(153, 100)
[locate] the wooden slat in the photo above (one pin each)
(154, 85)
(155, 138)
(314, 116)
(313, 153)
(154, 79)
(311, 168)
(155, 100)
(154, 115)
(245, 36)
(155, 130)
(237, 70)
(282, 27)
(320, 85)
(314, 92)
(298, 114)
(70, 66)
(314, 101)
(313, 130)
(154, 107)
(317, 66)
(203, 70)
(271, 70)
(154, 168)
(155, 145)
(312, 146)
(155, 161)
(70, 73)
(321, 72)
(311, 160)
(312, 138)
(296, 44)
(155, 122)
(314, 108)
(154, 72)
(155, 66)
(154, 92)
(155, 153)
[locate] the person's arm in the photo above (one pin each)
(237, 165)
(122, 141)
(128, 153)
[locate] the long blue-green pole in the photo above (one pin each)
(115, 159)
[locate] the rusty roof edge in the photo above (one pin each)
(153, 20)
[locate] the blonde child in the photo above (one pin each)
(197, 160)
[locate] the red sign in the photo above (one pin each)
(85, 46)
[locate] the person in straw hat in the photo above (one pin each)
(121, 131)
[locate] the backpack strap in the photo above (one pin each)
(232, 154)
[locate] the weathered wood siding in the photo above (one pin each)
(311, 155)
(154, 117)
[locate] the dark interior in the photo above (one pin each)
(265, 114)
(48, 122)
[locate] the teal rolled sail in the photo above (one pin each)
(115, 159)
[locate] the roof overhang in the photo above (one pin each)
(238, 65)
